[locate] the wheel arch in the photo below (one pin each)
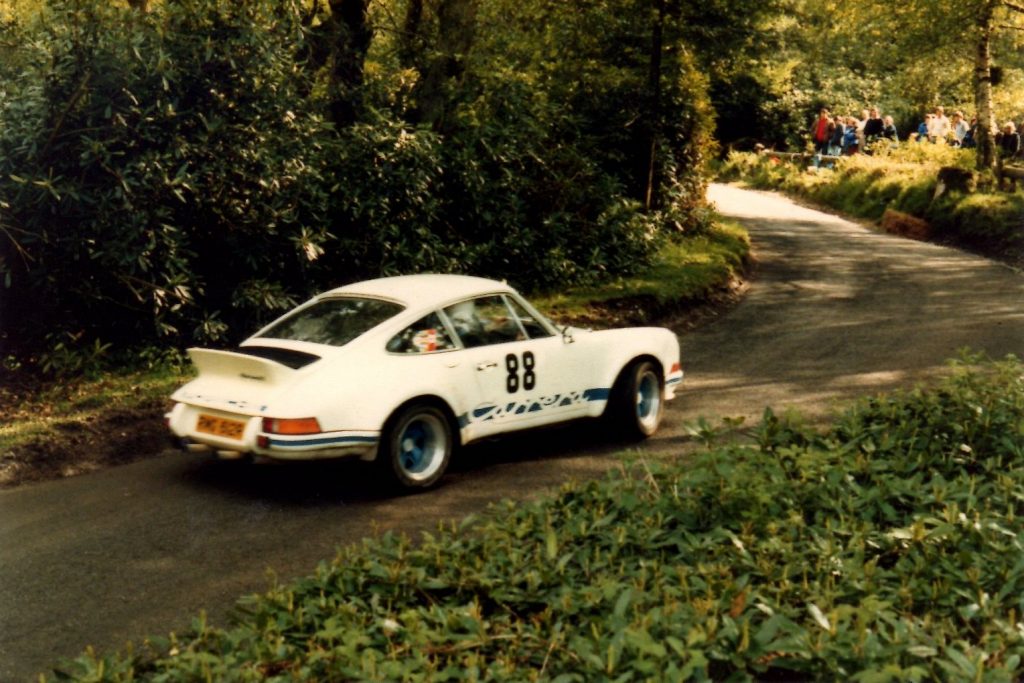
(639, 358)
(622, 413)
(432, 399)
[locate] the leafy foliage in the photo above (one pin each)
(885, 549)
(183, 174)
(157, 171)
(905, 58)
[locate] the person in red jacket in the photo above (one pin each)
(822, 131)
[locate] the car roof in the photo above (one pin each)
(423, 290)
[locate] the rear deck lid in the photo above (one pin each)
(232, 381)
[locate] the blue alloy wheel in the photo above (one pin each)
(648, 400)
(637, 401)
(419, 444)
(415, 443)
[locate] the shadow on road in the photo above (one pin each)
(349, 482)
(841, 311)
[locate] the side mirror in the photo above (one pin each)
(567, 335)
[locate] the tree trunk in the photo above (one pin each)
(352, 35)
(651, 198)
(985, 137)
(410, 41)
(456, 30)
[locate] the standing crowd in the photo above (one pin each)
(957, 131)
(844, 135)
(838, 135)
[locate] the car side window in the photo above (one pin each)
(484, 321)
(534, 329)
(426, 335)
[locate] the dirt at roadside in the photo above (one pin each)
(73, 447)
(121, 435)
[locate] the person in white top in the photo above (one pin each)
(939, 126)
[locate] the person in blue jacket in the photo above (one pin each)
(851, 143)
(922, 128)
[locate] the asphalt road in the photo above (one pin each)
(835, 311)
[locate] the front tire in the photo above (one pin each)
(417, 446)
(637, 403)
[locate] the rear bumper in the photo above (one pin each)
(254, 442)
(188, 445)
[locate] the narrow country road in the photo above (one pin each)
(835, 310)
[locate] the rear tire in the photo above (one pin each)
(637, 403)
(416, 446)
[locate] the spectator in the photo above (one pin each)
(873, 126)
(851, 138)
(923, 127)
(822, 131)
(889, 129)
(971, 137)
(1008, 142)
(938, 129)
(835, 145)
(959, 128)
(860, 126)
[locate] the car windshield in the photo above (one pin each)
(335, 321)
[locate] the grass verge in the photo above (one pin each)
(884, 548)
(686, 274)
(52, 429)
(55, 429)
(978, 217)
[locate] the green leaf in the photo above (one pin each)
(551, 544)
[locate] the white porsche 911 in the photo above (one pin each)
(400, 370)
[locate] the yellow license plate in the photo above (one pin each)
(218, 426)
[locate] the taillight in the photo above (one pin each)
(293, 426)
(676, 367)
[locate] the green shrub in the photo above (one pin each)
(885, 549)
(988, 217)
(168, 177)
(158, 173)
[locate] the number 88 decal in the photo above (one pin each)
(529, 378)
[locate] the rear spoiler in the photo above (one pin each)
(231, 364)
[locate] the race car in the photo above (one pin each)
(402, 370)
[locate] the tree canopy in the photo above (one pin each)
(907, 58)
(178, 170)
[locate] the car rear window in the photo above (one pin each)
(335, 321)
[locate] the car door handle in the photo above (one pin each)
(488, 365)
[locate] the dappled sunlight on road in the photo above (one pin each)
(840, 310)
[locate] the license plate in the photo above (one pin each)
(218, 426)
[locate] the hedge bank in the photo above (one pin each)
(904, 179)
(887, 548)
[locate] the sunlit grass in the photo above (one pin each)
(32, 412)
(685, 270)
